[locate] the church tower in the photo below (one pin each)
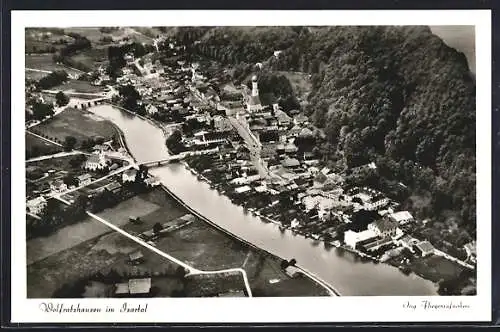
(255, 88)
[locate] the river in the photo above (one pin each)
(339, 268)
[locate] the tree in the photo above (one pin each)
(77, 160)
(69, 143)
(157, 228)
(70, 180)
(41, 110)
(61, 99)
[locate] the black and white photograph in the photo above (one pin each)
(254, 161)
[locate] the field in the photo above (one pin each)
(34, 75)
(34, 143)
(205, 248)
(45, 62)
(100, 254)
(77, 123)
(78, 86)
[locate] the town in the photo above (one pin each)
(263, 156)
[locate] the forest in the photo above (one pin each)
(398, 96)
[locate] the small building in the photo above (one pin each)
(407, 242)
(292, 271)
(243, 189)
(352, 238)
(424, 248)
(151, 109)
(300, 119)
(290, 163)
(134, 219)
(152, 181)
(139, 286)
(129, 175)
(113, 187)
(58, 186)
(136, 257)
(401, 217)
(84, 179)
(96, 162)
(283, 118)
(36, 205)
(383, 227)
(188, 217)
(470, 249)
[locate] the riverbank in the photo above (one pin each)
(328, 288)
(338, 267)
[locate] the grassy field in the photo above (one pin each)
(45, 62)
(44, 147)
(100, 254)
(78, 86)
(34, 75)
(77, 123)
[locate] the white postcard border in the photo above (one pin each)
(335, 309)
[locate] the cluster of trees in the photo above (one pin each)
(397, 95)
(53, 79)
(61, 99)
(174, 142)
(42, 110)
(56, 215)
(116, 55)
(129, 99)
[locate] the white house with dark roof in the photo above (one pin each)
(36, 205)
(84, 179)
(96, 162)
(129, 175)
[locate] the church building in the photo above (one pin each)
(253, 100)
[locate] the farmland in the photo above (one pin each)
(78, 86)
(77, 123)
(38, 146)
(46, 62)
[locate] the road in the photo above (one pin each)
(57, 155)
(191, 270)
(453, 259)
(38, 70)
(58, 195)
(43, 138)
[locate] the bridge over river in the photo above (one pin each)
(177, 157)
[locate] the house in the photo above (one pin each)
(376, 202)
(84, 179)
(96, 162)
(152, 181)
(291, 148)
(151, 109)
(138, 287)
(407, 242)
(424, 248)
(470, 248)
(383, 227)
(352, 238)
(295, 130)
(221, 123)
(136, 257)
(401, 217)
(290, 163)
(113, 187)
(129, 175)
(292, 271)
(283, 118)
(36, 205)
(243, 189)
(300, 119)
(58, 186)
(306, 132)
